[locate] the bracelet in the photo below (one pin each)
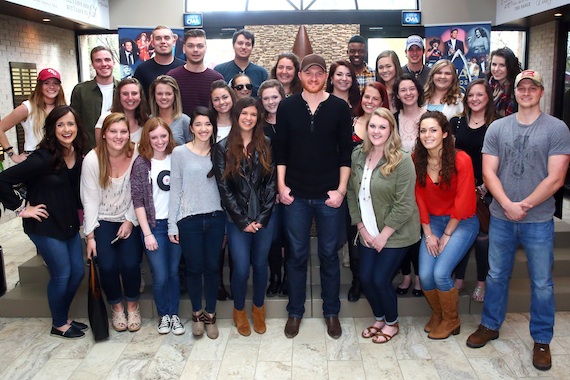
(7, 149)
(427, 237)
(21, 211)
(340, 192)
(360, 228)
(446, 234)
(147, 235)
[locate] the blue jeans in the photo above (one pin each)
(538, 242)
(247, 248)
(435, 272)
(64, 259)
(298, 219)
(377, 269)
(201, 237)
(119, 261)
(164, 267)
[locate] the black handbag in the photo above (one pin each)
(96, 307)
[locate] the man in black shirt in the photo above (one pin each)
(312, 152)
(163, 61)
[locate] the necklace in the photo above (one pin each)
(477, 122)
(365, 193)
(435, 167)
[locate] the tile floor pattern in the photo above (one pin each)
(27, 351)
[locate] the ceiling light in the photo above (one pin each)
(45, 19)
(558, 15)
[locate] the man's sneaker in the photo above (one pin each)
(164, 325)
(177, 326)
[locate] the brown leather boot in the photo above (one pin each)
(436, 318)
(258, 316)
(450, 323)
(242, 324)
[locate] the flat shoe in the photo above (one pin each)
(79, 325)
(70, 333)
(386, 337)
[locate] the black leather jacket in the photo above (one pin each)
(249, 197)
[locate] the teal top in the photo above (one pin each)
(392, 197)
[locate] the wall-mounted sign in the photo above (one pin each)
(92, 12)
(411, 18)
(193, 20)
(510, 10)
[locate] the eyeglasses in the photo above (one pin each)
(240, 87)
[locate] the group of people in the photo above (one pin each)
(390, 159)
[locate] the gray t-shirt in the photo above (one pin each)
(191, 191)
(523, 152)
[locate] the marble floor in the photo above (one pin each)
(27, 351)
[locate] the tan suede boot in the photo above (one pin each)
(451, 323)
(436, 318)
(258, 315)
(242, 324)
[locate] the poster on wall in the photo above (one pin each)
(468, 46)
(135, 47)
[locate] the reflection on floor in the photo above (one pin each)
(27, 351)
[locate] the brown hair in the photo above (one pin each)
(295, 86)
(141, 112)
(453, 94)
(395, 61)
(103, 151)
(235, 153)
(490, 114)
(145, 149)
(448, 168)
(353, 91)
(176, 104)
(383, 94)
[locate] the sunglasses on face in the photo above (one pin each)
(240, 87)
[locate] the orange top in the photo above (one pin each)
(458, 200)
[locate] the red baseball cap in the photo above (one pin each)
(48, 73)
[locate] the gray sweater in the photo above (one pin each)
(191, 192)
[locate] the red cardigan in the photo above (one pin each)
(458, 200)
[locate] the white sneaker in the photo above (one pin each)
(176, 325)
(164, 325)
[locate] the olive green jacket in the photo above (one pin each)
(393, 198)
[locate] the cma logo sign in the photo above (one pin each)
(411, 18)
(193, 20)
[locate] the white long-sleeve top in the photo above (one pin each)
(113, 204)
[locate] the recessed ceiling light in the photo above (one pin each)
(558, 15)
(46, 19)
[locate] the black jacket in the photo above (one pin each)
(250, 196)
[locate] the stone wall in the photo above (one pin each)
(541, 56)
(330, 41)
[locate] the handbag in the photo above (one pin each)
(483, 213)
(96, 307)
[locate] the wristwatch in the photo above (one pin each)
(9, 151)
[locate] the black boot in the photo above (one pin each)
(283, 289)
(354, 291)
(274, 285)
(223, 294)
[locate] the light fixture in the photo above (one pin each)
(558, 14)
(46, 19)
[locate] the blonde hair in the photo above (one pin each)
(392, 152)
(103, 152)
(176, 104)
(453, 94)
(38, 110)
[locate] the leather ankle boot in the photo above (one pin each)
(274, 285)
(354, 291)
(241, 322)
(436, 318)
(450, 323)
(258, 316)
